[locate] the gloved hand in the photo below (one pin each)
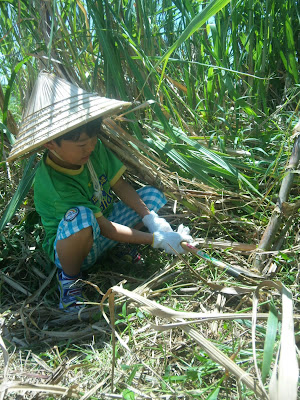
(155, 223)
(162, 240)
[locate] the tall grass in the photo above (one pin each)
(216, 72)
(223, 80)
(215, 76)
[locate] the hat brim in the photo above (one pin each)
(60, 116)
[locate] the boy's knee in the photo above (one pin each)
(77, 245)
(75, 236)
(157, 192)
(152, 197)
(148, 191)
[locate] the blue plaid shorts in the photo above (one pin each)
(81, 217)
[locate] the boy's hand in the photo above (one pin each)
(154, 223)
(168, 241)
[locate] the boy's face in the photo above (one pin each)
(73, 153)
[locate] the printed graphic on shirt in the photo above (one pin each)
(107, 199)
(107, 196)
(102, 179)
(71, 214)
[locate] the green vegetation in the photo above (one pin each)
(222, 84)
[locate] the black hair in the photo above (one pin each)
(91, 128)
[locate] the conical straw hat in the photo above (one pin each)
(56, 107)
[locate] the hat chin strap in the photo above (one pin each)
(56, 155)
(95, 180)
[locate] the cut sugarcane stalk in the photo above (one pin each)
(233, 271)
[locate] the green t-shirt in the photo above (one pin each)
(57, 189)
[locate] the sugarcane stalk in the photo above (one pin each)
(278, 212)
(225, 244)
(235, 271)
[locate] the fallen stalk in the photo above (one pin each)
(235, 271)
(225, 244)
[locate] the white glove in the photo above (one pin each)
(163, 240)
(154, 223)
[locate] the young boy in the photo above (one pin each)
(79, 226)
(76, 184)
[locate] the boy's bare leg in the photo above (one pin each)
(73, 250)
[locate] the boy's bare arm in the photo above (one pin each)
(168, 241)
(122, 233)
(130, 197)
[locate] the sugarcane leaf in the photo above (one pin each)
(9, 86)
(219, 161)
(291, 49)
(7, 133)
(272, 325)
(21, 192)
(210, 10)
(168, 150)
(214, 394)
